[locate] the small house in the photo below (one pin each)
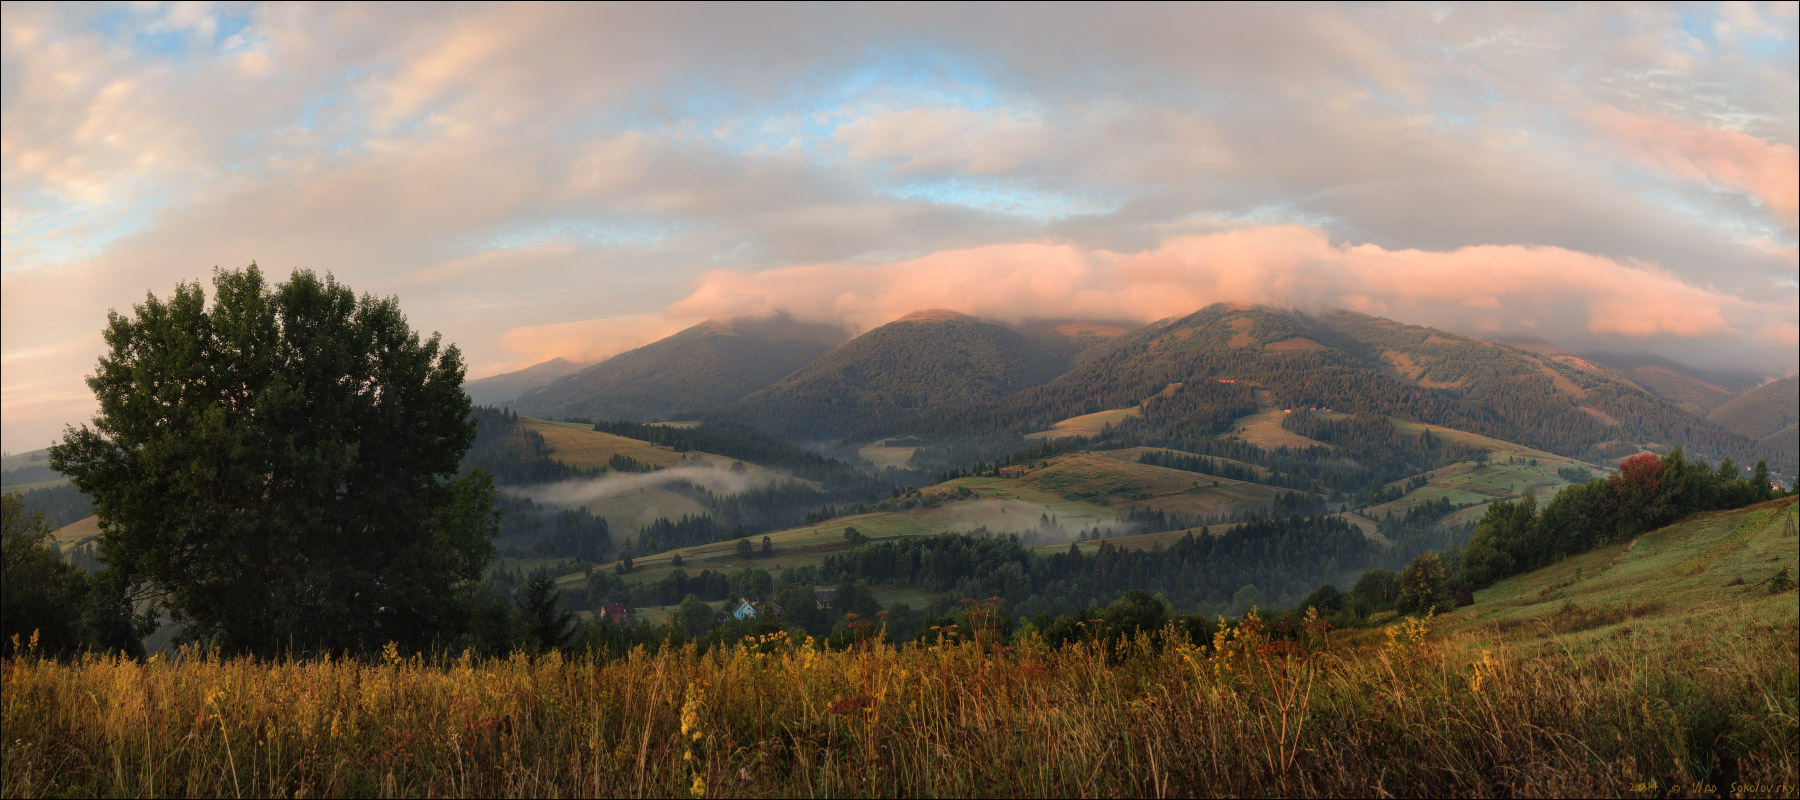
(824, 596)
(745, 610)
(612, 612)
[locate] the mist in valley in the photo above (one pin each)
(573, 493)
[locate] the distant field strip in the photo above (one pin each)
(1086, 424)
(579, 445)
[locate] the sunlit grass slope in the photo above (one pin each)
(579, 445)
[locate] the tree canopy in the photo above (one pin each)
(282, 467)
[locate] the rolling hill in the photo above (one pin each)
(685, 375)
(1767, 414)
(29, 470)
(1670, 583)
(1695, 390)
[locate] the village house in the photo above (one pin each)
(749, 609)
(745, 610)
(613, 612)
(823, 596)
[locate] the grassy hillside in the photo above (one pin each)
(579, 445)
(1508, 473)
(1087, 424)
(1089, 490)
(1639, 670)
(77, 533)
(684, 375)
(1125, 484)
(1663, 584)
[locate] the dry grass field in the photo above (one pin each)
(579, 445)
(1086, 424)
(1264, 430)
(1125, 483)
(879, 454)
(1641, 670)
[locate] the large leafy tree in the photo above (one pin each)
(282, 468)
(1422, 586)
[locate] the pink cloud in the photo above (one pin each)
(1768, 171)
(1475, 290)
(586, 340)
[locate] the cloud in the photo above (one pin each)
(1479, 290)
(587, 340)
(572, 493)
(1727, 159)
(944, 139)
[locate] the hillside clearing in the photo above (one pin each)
(1086, 424)
(882, 456)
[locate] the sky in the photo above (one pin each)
(538, 181)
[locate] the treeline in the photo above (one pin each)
(1422, 529)
(1203, 465)
(1367, 453)
(31, 473)
(665, 534)
(1271, 558)
(50, 604)
(740, 442)
(530, 530)
(513, 455)
(1646, 493)
(60, 505)
(1379, 451)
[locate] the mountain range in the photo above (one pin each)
(945, 375)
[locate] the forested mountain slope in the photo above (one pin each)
(1763, 411)
(687, 374)
(1694, 390)
(499, 389)
(926, 360)
(1195, 376)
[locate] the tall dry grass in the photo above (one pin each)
(1408, 714)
